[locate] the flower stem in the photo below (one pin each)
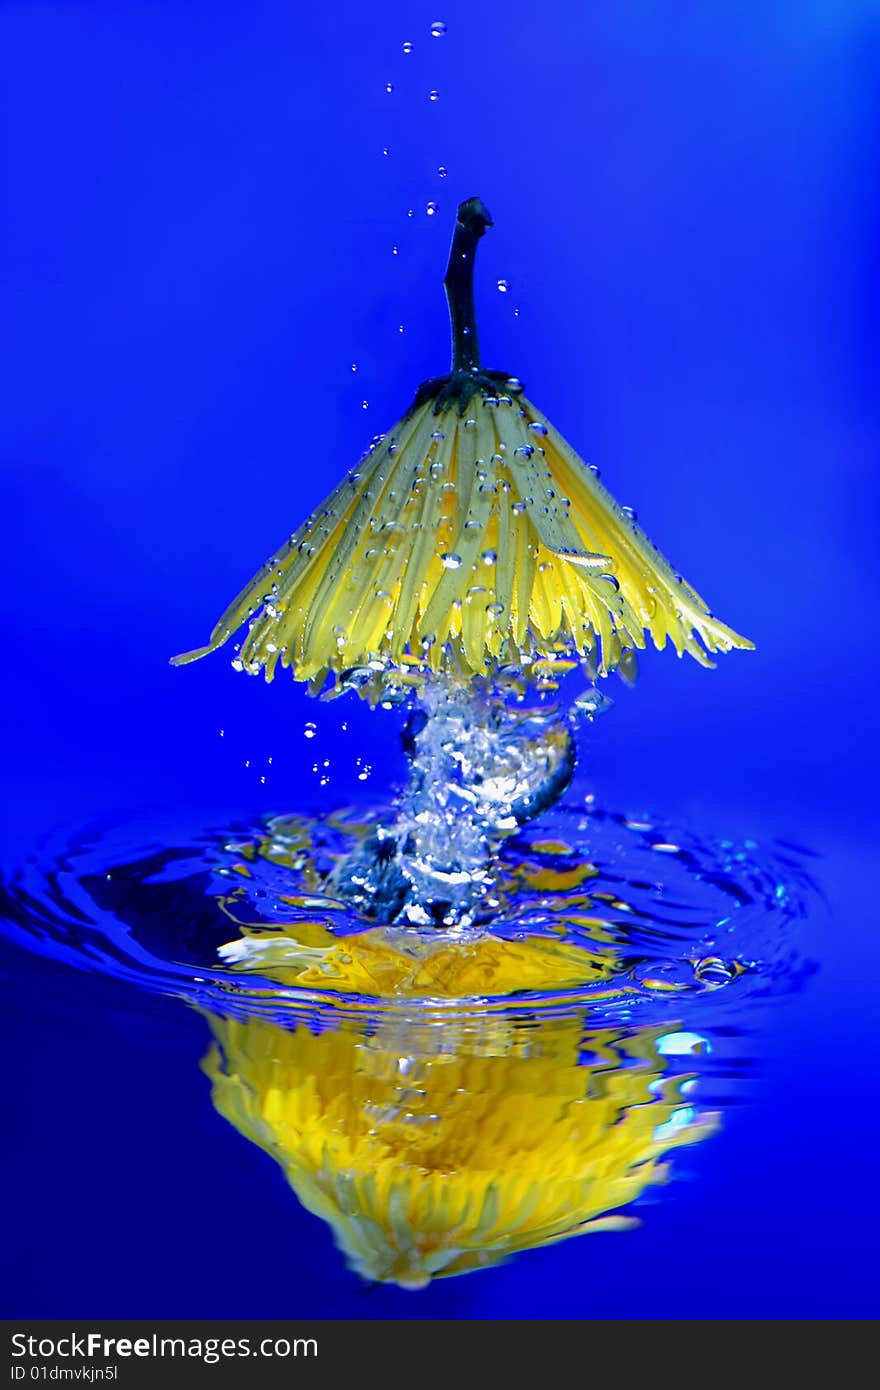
(470, 224)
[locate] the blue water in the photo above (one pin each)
(201, 248)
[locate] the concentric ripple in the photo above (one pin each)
(624, 916)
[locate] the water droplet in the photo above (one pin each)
(681, 1044)
(503, 286)
(438, 29)
(489, 557)
(430, 208)
(310, 730)
(443, 171)
(591, 704)
(451, 561)
(713, 972)
(407, 48)
(433, 96)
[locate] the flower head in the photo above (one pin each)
(469, 539)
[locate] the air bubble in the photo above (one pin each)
(438, 29)
(389, 86)
(451, 561)
(629, 513)
(433, 96)
(442, 171)
(489, 557)
(593, 469)
(536, 427)
(407, 48)
(431, 208)
(503, 286)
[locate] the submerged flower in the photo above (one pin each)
(470, 538)
(433, 1154)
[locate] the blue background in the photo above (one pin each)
(197, 246)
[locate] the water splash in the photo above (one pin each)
(445, 1096)
(628, 916)
(479, 769)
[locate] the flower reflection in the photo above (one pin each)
(435, 1149)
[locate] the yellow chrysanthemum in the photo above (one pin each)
(432, 1155)
(395, 963)
(471, 538)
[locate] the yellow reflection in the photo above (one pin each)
(433, 1149)
(388, 962)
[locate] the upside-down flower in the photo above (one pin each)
(470, 538)
(435, 1153)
